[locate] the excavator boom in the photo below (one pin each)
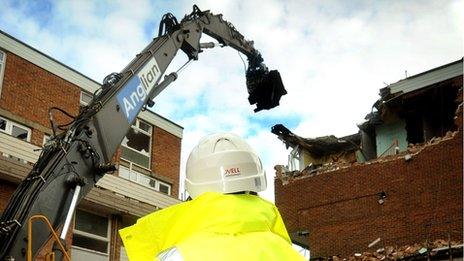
(76, 158)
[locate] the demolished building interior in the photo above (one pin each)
(406, 117)
(398, 178)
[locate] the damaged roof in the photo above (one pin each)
(317, 146)
(424, 79)
(411, 85)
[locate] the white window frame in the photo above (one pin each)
(81, 101)
(294, 159)
(46, 138)
(137, 128)
(9, 128)
(89, 235)
(2, 70)
(165, 184)
(135, 176)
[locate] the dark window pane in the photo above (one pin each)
(138, 141)
(152, 183)
(2, 124)
(1, 58)
(125, 163)
(91, 223)
(135, 157)
(19, 133)
(164, 188)
(90, 243)
(141, 170)
(145, 126)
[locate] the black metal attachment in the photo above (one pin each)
(265, 89)
(111, 79)
(382, 196)
(104, 168)
(76, 180)
(7, 226)
(168, 24)
(150, 103)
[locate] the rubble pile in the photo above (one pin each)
(415, 251)
(416, 148)
(312, 169)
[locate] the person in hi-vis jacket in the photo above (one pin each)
(225, 220)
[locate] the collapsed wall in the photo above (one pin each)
(403, 199)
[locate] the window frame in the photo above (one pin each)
(2, 69)
(81, 101)
(131, 171)
(295, 159)
(150, 134)
(46, 138)
(93, 236)
(9, 129)
(169, 186)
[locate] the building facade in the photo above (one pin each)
(403, 183)
(148, 159)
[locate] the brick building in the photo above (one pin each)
(399, 181)
(148, 160)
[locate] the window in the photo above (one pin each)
(2, 68)
(91, 232)
(15, 129)
(136, 146)
(164, 188)
(86, 97)
(132, 172)
(294, 159)
(46, 139)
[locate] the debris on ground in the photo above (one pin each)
(419, 251)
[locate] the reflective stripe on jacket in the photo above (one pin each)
(213, 226)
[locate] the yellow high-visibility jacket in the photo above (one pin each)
(213, 226)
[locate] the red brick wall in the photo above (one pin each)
(341, 212)
(6, 190)
(29, 91)
(166, 156)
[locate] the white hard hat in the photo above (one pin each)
(224, 163)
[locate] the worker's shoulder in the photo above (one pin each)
(243, 200)
(213, 196)
(167, 213)
(215, 199)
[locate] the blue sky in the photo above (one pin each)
(333, 56)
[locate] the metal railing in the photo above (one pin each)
(49, 256)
